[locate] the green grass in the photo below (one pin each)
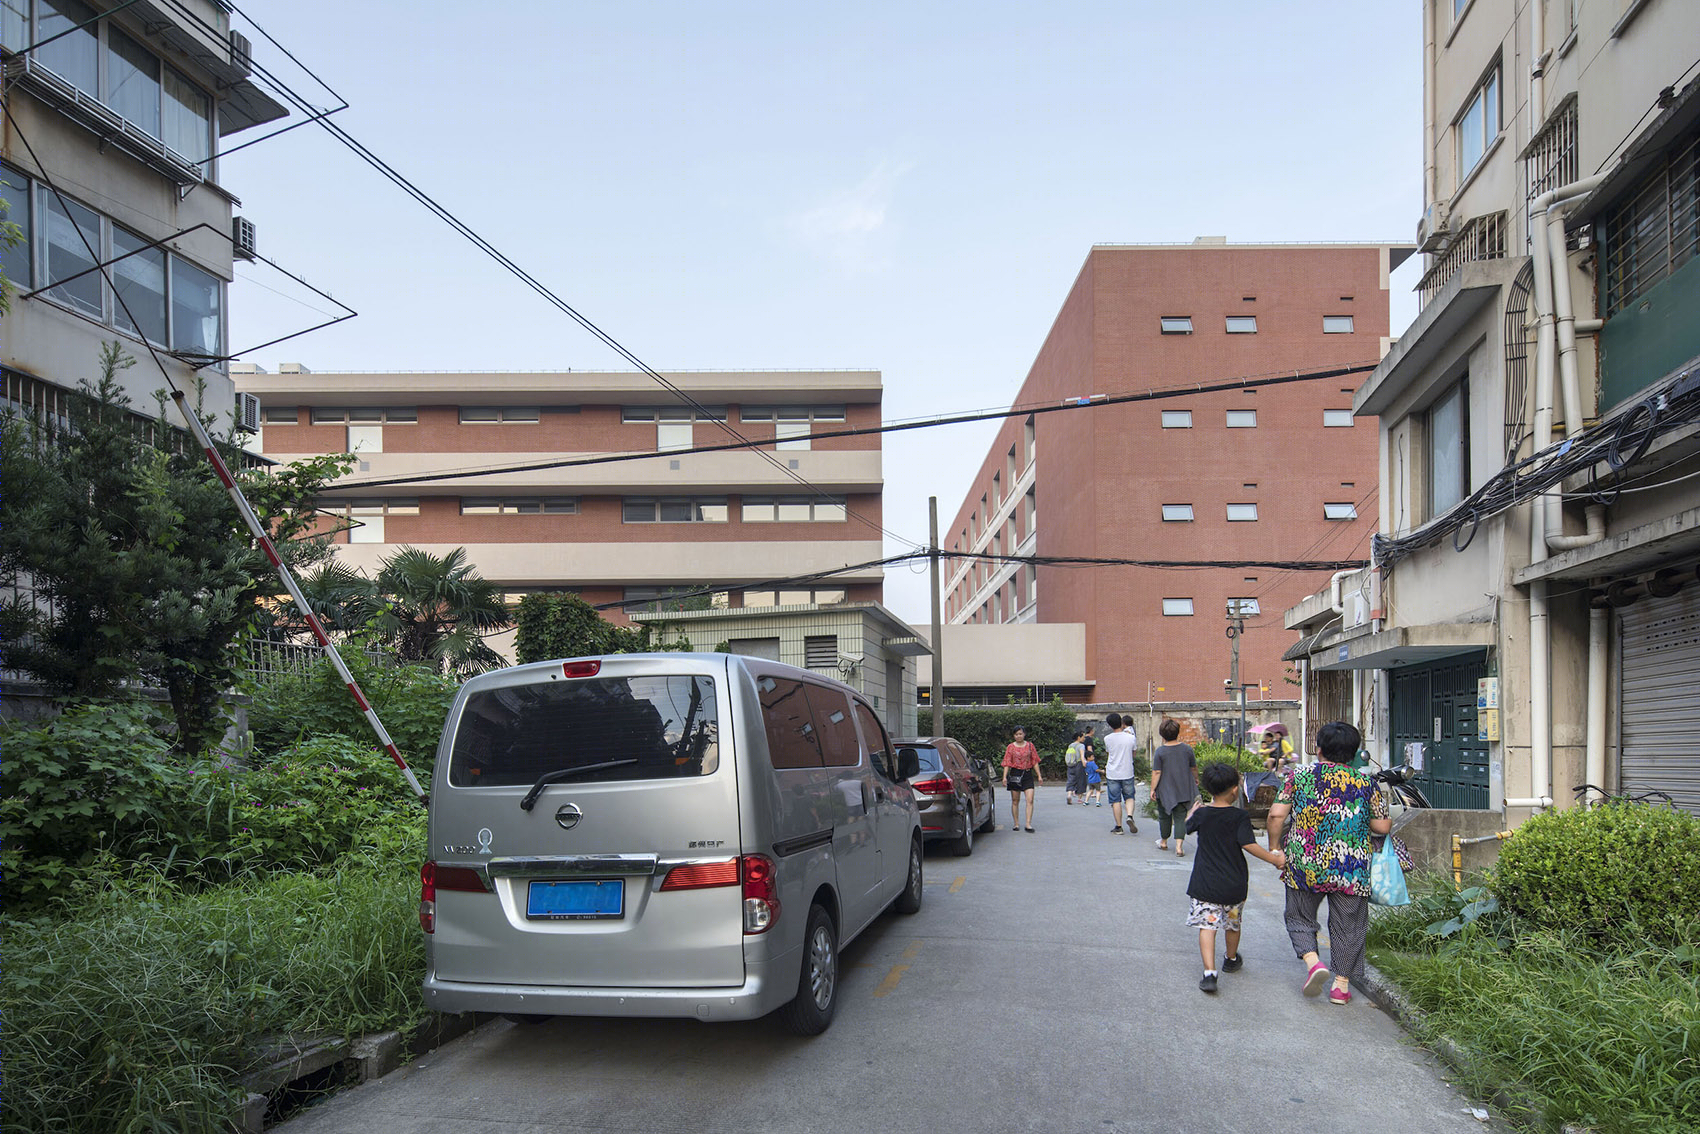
(1608, 1038)
(142, 1013)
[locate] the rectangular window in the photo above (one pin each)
(1242, 324)
(1242, 513)
(1028, 437)
(1448, 450)
(186, 124)
(140, 281)
(1175, 324)
(15, 260)
(1337, 324)
(1242, 419)
(1177, 607)
(997, 490)
(793, 509)
(74, 57)
(1655, 230)
(280, 415)
(72, 240)
(1244, 607)
(1338, 418)
(132, 81)
(196, 316)
(532, 506)
(364, 415)
(673, 510)
(1177, 419)
(1177, 513)
(1339, 511)
(499, 415)
(1478, 126)
(14, 25)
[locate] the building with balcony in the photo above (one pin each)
(1533, 618)
(114, 118)
(1272, 473)
(748, 526)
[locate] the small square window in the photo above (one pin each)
(1242, 419)
(1337, 418)
(1244, 607)
(1242, 324)
(1176, 324)
(1177, 513)
(1177, 607)
(1340, 511)
(1336, 324)
(1177, 419)
(1242, 513)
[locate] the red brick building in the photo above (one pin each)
(1276, 473)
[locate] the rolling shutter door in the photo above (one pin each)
(1660, 712)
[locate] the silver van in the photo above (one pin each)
(660, 835)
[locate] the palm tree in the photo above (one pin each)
(435, 611)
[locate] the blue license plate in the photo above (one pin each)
(577, 900)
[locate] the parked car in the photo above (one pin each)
(690, 835)
(953, 791)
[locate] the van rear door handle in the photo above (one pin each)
(879, 794)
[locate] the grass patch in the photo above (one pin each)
(1607, 1037)
(142, 1012)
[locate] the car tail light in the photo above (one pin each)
(433, 878)
(761, 892)
(702, 875)
(582, 668)
(939, 785)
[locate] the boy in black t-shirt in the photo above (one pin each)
(1219, 877)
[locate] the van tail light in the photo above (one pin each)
(702, 875)
(582, 668)
(938, 785)
(761, 892)
(433, 878)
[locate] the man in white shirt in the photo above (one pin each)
(1120, 743)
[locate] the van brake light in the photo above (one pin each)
(761, 892)
(453, 878)
(581, 668)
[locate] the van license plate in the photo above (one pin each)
(576, 901)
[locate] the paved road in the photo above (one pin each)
(1047, 984)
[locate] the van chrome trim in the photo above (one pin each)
(788, 847)
(532, 866)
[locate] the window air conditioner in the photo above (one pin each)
(247, 413)
(241, 53)
(1433, 229)
(1356, 611)
(242, 244)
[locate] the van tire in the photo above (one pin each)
(963, 845)
(810, 1012)
(909, 901)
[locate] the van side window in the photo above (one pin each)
(879, 745)
(791, 738)
(837, 731)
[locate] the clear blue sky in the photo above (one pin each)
(909, 187)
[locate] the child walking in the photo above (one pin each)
(1094, 781)
(1220, 879)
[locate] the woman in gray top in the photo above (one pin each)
(1174, 785)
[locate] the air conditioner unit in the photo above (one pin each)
(247, 413)
(241, 53)
(1434, 229)
(1356, 611)
(242, 244)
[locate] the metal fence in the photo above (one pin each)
(1481, 238)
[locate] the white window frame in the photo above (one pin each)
(519, 506)
(502, 415)
(656, 503)
(1174, 324)
(1177, 513)
(1472, 141)
(767, 510)
(1338, 419)
(1177, 608)
(1240, 324)
(1339, 511)
(1339, 325)
(1241, 419)
(1242, 513)
(368, 415)
(1244, 607)
(1177, 419)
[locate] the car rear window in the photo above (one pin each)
(642, 728)
(929, 757)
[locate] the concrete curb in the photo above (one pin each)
(1390, 998)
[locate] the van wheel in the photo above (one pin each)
(810, 1011)
(991, 812)
(909, 901)
(963, 845)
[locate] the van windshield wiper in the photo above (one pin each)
(560, 774)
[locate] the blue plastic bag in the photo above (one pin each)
(1387, 878)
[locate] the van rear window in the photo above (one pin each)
(639, 728)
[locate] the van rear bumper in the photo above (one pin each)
(760, 994)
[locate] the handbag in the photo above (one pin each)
(1386, 878)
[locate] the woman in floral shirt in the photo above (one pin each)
(1334, 811)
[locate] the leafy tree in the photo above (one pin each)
(128, 559)
(434, 610)
(565, 626)
(10, 237)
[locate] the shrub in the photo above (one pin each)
(1620, 870)
(986, 731)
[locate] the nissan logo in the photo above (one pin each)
(568, 816)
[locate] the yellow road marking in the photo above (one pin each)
(889, 984)
(957, 885)
(913, 951)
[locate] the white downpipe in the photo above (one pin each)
(1531, 801)
(1596, 514)
(1564, 315)
(1537, 67)
(1594, 765)
(1336, 597)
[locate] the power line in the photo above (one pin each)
(1028, 410)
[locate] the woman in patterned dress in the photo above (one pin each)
(1334, 811)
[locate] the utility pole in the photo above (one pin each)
(938, 630)
(1236, 628)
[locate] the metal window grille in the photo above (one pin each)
(1519, 345)
(820, 651)
(1655, 230)
(1481, 238)
(1549, 160)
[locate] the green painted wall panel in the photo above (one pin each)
(1651, 337)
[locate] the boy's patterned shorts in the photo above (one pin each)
(1209, 915)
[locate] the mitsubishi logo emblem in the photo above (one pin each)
(568, 816)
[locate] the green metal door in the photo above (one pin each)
(1436, 704)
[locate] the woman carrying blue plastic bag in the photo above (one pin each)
(1387, 877)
